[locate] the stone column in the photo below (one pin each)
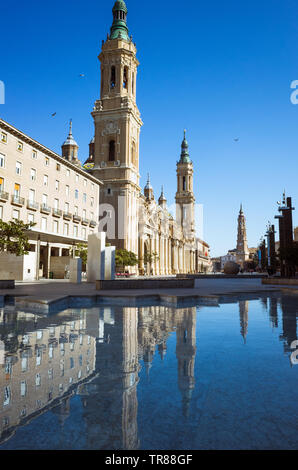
(37, 258)
(109, 264)
(96, 256)
(75, 270)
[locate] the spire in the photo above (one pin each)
(184, 156)
(119, 28)
(148, 190)
(241, 211)
(148, 185)
(162, 200)
(70, 140)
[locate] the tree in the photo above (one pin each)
(13, 237)
(81, 250)
(125, 258)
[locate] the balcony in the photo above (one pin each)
(17, 200)
(4, 196)
(56, 212)
(45, 209)
(76, 218)
(32, 205)
(92, 223)
(67, 216)
(85, 221)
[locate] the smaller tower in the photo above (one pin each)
(70, 147)
(242, 252)
(90, 159)
(162, 200)
(148, 190)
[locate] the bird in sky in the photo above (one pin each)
(82, 75)
(236, 140)
(54, 114)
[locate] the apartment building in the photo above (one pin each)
(54, 192)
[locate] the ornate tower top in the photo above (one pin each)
(242, 252)
(162, 200)
(70, 147)
(184, 156)
(119, 29)
(148, 190)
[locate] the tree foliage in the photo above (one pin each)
(125, 258)
(81, 250)
(13, 237)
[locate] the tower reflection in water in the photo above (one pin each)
(97, 355)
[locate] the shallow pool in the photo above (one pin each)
(214, 374)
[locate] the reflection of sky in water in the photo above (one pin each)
(211, 377)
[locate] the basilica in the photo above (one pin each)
(134, 220)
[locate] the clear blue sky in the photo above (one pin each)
(220, 69)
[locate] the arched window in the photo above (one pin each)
(113, 76)
(184, 183)
(112, 151)
(133, 154)
(125, 78)
(133, 84)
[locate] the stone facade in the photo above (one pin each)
(242, 251)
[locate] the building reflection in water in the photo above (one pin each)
(97, 353)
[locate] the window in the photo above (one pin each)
(113, 77)
(76, 210)
(50, 373)
(47, 161)
(2, 160)
(37, 380)
(24, 364)
(38, 357)
(92, 201)
(57, 185)
(45, 180)
(66, 229)
(184, 183)
(92, 186)
(33, 174)
(44, 224)
(66, 207)
(56, 203)
(17, 189)
(85, 183)
(75, 231)
(76, 194)
(39, 334)
(3, 137)
(77, 178)
(111, 150)
(23, 388)
(84, 214)
(7, 395)
(1, 212)
(133, 84)
(15, 214)
(58, 166)
(34, 154)
(1, 184)
(84, 236)
(31, 195)
(18, 168)
(84, 198)
(71, 363)
(55, 226)
(45, 200)
(20, 146)
(125, 78)
(67, 173)
(67, 190)
(30, 218)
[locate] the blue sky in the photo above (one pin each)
(219, 69)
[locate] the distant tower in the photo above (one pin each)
(162, 200)
(184, 196)
(243, 313)
(148, 190)
(117, 124)
(242, 253)
(70, 147)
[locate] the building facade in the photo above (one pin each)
(134, 220)
(53, 192)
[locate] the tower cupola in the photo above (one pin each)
(70, 147)
(162, 200)
(148, 190)
(119, 29)
(184, 156)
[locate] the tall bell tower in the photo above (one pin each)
(117, 131)
(185, 199)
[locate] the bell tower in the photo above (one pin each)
(242, 252)
(185, 199)
(117, 124)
